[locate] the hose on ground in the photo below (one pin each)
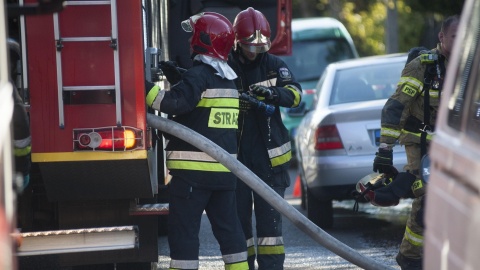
(262, 189)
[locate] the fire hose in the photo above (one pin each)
(262, 189)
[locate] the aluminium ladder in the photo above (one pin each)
(113, 44)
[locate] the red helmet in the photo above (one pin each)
(252, 31)
(212, 34)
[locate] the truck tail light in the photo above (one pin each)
(327, 138)
(107, 139)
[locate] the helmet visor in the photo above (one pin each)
(255, 48)
(257, 42)
(188, 24)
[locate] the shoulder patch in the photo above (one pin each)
(284, 73)
(409, 90)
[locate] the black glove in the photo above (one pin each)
(171, 70)
(263, 91)
(383, 162)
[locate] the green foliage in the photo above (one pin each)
(365, 20)
(366, 27)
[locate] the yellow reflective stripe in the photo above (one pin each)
(428, 58)
(21, 152)
(271, 250)
(237, 266)
(218, 102)
(223, 118)
(250, 247)
(389, 132)
(152, 94)
(197, 161)
(419, 134)
(418, 184)
(296, 92)
(196, 166)
(281, 154)
(235, 257)
(413, 238)
(281, 159)
(432, 93)
(270, 245)
(281, 150)
(88, 156)
(22, 143)
(184, 264)
(219, 98)
(414, 82)
(191, 155)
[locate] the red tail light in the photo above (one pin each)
(327, 138)
(107, 139)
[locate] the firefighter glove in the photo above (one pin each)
(263, 91)
(171, 70)
(383, 162)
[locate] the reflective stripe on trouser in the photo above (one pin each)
(412, 242)
(270, 249)
(186, 208)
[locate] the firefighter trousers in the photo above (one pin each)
(412, 242)
(187, 205)
(270, 251)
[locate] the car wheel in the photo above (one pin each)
(318, 211)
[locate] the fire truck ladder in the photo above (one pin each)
(114, 45)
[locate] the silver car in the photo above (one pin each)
(336, 141)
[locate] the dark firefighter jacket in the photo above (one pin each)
(267, 70)
(403, 113)
(207, 104)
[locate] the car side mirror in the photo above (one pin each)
(299, 111)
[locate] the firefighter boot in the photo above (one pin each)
(408, 263)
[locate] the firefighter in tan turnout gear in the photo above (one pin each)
(409, 117)
(204, 99)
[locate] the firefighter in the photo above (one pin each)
(206, 101)
(265, 83)
(409, 117)
(21, 122)
(21, 140)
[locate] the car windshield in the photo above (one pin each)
(311, 57)
(368, 82)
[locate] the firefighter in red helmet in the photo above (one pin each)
(265, 83)
(205, 100)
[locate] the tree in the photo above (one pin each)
(418, 21)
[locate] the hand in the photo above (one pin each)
(262, 91)
(171, 70)
(383, 162)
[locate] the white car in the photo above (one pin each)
(336, 141)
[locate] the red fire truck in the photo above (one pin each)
(97, 185)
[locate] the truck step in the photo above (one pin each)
(78, 240)
(150, 209)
